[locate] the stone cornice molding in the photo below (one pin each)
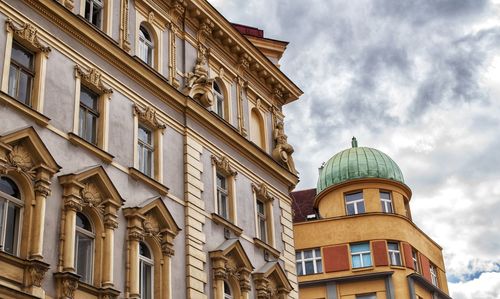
(223, 165)
(149, 118)
(262, 192)
(92, 79)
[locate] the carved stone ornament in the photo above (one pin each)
(93, 78)
(205, 30)
(69, 286)
(69, 4)
(151, 17)
(136, 235)
(167, 249)
(71, 204)
(220, 274)
(148, 117)
(244, 61)
(37, 272)
(27, 33)
(198, 84)
(125, 43)
(18, 159)
(110, 222)
(150, 225)
(262, 192)
(223, 165)
(91, 196)
(42, 188)
(282, 151)
(178, 9)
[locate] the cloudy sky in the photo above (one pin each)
(417, 79)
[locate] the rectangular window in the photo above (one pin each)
(309, 261)
(21, 74)
(354, 203)
(89, 115)
(360, 255)
(386, 200)
(415, 260)
(394, 253)
(434, 278)
(146, 279)
(222, 196)
(83, 256)
(93, 12)
(262, 220)
(145, 149)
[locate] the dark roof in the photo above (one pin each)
(303, 202)
(247, 30)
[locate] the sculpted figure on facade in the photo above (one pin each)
(199, 85)
(283, 151)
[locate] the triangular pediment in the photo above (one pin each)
(273, 272)
(233, 251)
(156, 209)
(25, 149)
(95, 184)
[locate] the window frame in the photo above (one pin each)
(261, 194)
(146, 149)
(143, 260)
(221, 167)
(92, 236)
(361, 254)
(262, 224)
(314, 259)
(227, 287)
(146, 44)
(434, 274)
(94, 113)
(19, 69)
(222, 196)
(387, 204)
(394, 254)
(23, 35)
(354, 203)
(5, 201)
(414, 257)
(90, 19)
(220, 100)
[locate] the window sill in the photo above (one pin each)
(229, 225)
(98, 292)
(79, 141)
(38, 117)
(137, 175)
(261, 244)
(397, 267)
(362, 269)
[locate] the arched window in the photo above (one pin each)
(219, 100)
(146, 273)
(146, 45)
(84, 248)
(227, 291)
(10, 214)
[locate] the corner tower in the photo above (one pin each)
(354, 235)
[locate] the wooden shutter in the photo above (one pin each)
(380, 253)
(426, 267)
(408, 256)
(336, 258)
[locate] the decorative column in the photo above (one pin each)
(261, 287)
(42, 191)
(245, 285)
(72, 205)
(167, 251)
(135, 235)
(110, 224)
(220, 274)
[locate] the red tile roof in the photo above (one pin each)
(247, 30)
(302, 204)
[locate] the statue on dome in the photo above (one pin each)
(283, 151)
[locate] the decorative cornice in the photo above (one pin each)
(205, 30)
(178, 9)
(224, 166)
(27, 33)
(149, 118)
(93, 78)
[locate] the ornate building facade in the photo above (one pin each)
(142, 153)
(354, 234)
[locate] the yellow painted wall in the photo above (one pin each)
(315, 292)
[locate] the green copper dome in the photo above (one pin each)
(356, 163)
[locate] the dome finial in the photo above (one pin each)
(354, 142)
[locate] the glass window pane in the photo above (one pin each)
(309, 267)
(84, 257)
(360, 247)
(88, 98)
(319, 266)
(350, 209)
(144, 135)
(11, 229)
(22, 56)
(308, 254)
(260, 207)
(8, 187)
(356, 261)
(298, 255)
(385, 195)
(12, 91)
(96, 15)
(318, 253)
(24, 88)
(393, 246)
(367, 261)
(300, 271)
(83, 222)
(353, 196)
(361, 206)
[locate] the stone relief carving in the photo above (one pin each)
(91, 196)
(94, 78)
(148, 117)
(18, 159)
(27, 33)
(199, 85)
(69, 286)
(262, 192)
(283, 151)
(223, 165)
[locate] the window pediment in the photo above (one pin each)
(271, 281)
(92, 79)
(223, 165)
(148, 117)
(262, 192)
(28, 35)
(24, 151)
